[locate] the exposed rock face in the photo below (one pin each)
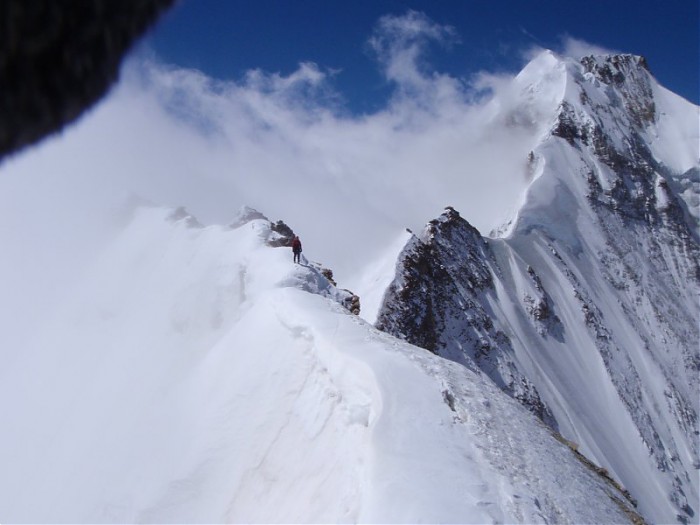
(58, 57)
(442, 301)
(284, 237)
(587, 312)
(349, 299)
(629, 75)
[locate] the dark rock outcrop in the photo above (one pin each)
(440, 300)
(284, 235)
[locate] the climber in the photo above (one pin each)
(296, 248)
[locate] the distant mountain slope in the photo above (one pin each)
(197, 375)
(586, 307)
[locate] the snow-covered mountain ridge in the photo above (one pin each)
(586, 307)
(197, 375)
(194, 374)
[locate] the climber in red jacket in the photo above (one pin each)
(296, 248)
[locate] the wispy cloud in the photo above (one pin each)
(400, 44)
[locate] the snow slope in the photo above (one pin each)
(197, 375)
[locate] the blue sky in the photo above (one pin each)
(226, 38)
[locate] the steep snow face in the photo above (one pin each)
(591, 299)
(197, 375)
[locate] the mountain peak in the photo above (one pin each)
(618, 80)
(585, 310)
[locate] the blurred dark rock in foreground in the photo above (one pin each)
(58, 57)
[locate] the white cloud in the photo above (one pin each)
(400, 44)
(347, 184)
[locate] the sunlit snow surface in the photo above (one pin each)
(193, 376)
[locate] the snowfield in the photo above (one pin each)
(194, 377)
